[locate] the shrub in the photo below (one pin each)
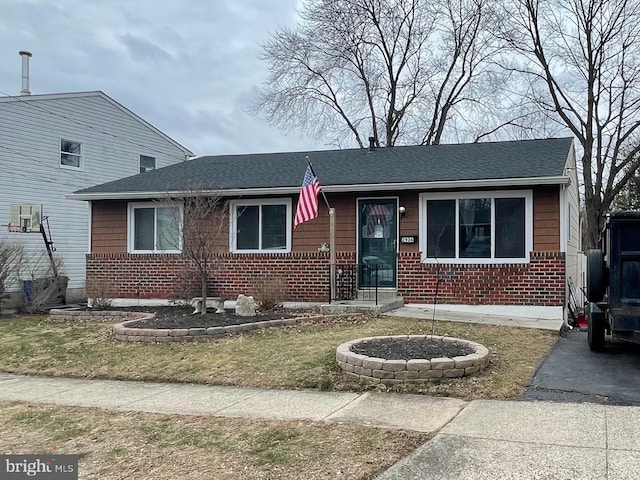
(269, 292)
(100, 293)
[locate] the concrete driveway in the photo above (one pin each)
(573, 373)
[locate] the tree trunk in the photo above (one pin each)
(203, 292)
(593, 222)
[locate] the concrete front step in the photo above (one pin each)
(362, 306)
(384, 295)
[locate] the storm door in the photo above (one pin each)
(377, 242)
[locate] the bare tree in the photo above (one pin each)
(581, 61)
(199, 218)
(400, 71)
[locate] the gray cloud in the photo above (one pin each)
(142, 50)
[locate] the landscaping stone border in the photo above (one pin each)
(391, 371)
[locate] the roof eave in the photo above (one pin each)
(484, 183)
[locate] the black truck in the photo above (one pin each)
(613, 282)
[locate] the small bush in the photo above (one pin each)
(269, 292)
(100, 293)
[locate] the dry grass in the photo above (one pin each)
(293, 357)
(140, 445)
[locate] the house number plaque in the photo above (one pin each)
(409, 239)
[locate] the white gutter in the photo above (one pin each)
(367, 187)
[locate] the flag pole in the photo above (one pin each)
(322, 190)
(332, 240)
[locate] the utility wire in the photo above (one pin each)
(34, 174)
(73, 120)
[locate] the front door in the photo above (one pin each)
(377, 242)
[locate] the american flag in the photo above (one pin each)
(308, 202)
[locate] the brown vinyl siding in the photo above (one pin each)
(409, 224)
(546, 219)
(109, 223)
(310, 235)
(109, 227)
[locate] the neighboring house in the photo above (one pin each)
(483, 223)
(53, 145)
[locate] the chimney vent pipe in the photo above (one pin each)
(372, 143)
(25, 72)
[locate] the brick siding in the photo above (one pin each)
(539, 282)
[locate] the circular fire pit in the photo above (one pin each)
(411, 358)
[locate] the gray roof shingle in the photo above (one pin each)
(408, 164)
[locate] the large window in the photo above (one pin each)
(260, 225)
(70, 154)
(154, 229)
(477, 227)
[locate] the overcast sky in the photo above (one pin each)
(188, 67)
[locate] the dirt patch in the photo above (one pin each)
(183, 317)
(410, 349)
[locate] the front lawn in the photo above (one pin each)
(302, 356)
(117, 445)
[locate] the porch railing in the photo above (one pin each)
(357, 282)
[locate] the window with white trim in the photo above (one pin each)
(477, 227)
(258, 226)
(70, 154)
(154, 228)
(147, 163)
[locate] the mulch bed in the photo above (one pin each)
(410, 349)
(183, 317)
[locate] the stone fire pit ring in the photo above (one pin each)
(394, 371)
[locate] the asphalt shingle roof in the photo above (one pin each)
(409, 164)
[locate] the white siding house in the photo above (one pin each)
(53, 145)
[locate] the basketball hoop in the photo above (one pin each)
(13, 228)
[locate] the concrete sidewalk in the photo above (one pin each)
(546, 318)
(410, 412)
(480, 440)
(491, 440)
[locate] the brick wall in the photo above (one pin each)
(540, 282)
(306, 274)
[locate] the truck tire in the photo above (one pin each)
(596, 326)
(596, 275)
